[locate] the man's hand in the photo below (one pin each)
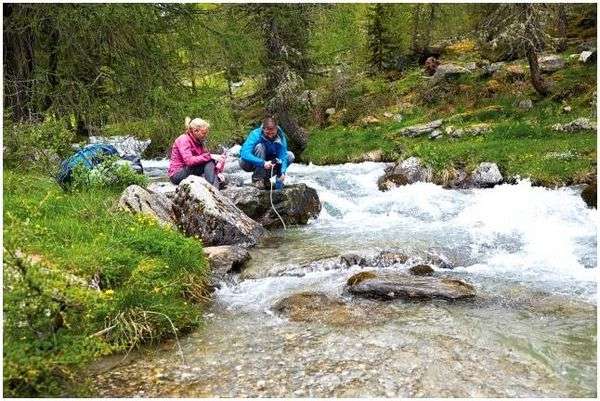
(268, 165)
(282, 177)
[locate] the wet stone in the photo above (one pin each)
(388, 286)
(421, 270)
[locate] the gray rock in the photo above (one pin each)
(200, 210)
(405, 172)
(436, 133)
(579, 124)
(448, 71)
(166, 188)
(391, 285)
(486, 175)
(352, 259)
(471, 66)
(421, 129)
(226, 259)
(330, 111)
(526, 104)
(136, 199)
(567, 109)
(491, 69)
(587, 56)
(551, 63)
(295, 203)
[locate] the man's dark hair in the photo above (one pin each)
(269, 121)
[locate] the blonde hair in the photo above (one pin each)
(196, 123)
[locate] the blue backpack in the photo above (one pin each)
(89, 156)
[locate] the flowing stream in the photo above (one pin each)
(530, 332)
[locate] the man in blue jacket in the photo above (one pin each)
(265, 153)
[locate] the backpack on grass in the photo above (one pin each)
(89, 156)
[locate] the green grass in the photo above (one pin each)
(522, 143)
(55, 244)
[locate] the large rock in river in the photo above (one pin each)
(295, 203)
(404, 172)
(136, 199)
(201, 210)
(392, 285)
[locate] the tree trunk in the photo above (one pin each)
(416, 17)
(534, 70)
(52, 68)
(19, 66)
(561, 27)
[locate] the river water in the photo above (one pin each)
(530, 332)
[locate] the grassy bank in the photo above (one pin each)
(83, 280)
(521, 142)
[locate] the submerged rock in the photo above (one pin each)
(295, 203)
(316, 307)
(388, 286)
(201, 210)
(404, 172)
(136, 199)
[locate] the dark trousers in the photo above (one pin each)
(206, 170)
(259, 172)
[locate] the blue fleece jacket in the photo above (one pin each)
(275, 148)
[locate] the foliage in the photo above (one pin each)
(73, 267)
(110, 173)
(32, 145)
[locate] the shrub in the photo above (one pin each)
(39, 146)
(111, 173)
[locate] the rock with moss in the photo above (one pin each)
(448, 71)
(579, 124)
(551, 63)
(405, 172)
(136, 199)
(590, 195)
(296, 204)
(392, 285)
(201, 210)
(421, 129)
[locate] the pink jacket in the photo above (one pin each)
(186, 151)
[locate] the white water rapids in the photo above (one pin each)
(529, 251)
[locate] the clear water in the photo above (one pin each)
(530, 252)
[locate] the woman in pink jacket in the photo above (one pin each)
(189, 155)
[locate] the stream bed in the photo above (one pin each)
(530, 332)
